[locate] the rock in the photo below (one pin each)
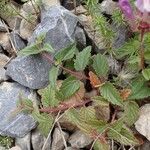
(17, 41)
(30, 71)
(145, 146)
(14, 125)
(15, 148)
(71, 148)
(4, 41)
(38, 141)
(142, 125)
(3, 77)
(2, 26)
(59, 25)
(108, 7)
(3, 60)
(24, 143)
(57, 143)
(69, 4)
(27, 27)
(79, 140)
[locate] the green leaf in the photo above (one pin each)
(100, 65)
(139, 89)
(48, 48)
(109, 92)
(53, 74)
(48, 96)
(146, 74)
(131, 112)
(66, 53)
(69, 87)
(82, 59)
(101, 145)
(45, 122)
(30, 50)
(125, 136)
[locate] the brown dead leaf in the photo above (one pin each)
(125, 93)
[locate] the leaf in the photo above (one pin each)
(53, 74)
(45, 122)
(66, 53)
(131, 112)
(125, 136)
(94, 80)
(109, 92)
(48, 48)
(30, 50)
(48, 96)
(146, 74)
(101, 145)
(100, 65)
(69, 87)
(82, 59)
(139, 89)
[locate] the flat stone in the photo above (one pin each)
(3, 76)
(21, 124)
(25, 142)
(17, 41)
(79, 140)
(3, 60)
(30, 71)
(15, 148)
(142, 125)
(2, 26)
(71, 148)
(57, 143)
(38, 140)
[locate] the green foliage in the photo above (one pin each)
(6, 142)
(82, 59)
(101, 145)
(146, 74)
(109, 92)
(100, 65)
(45, 121)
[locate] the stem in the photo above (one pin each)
(142, 49)
(73, 73)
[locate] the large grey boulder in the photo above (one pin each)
(14, 125)
(61, 30)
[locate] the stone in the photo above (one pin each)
(108, 7)
(79, 140)
(15, 148)
(59, 25)
(27, 27)
(69, 4)
(145, 146)
(142, 125)
(3, 76)
(30, 71)
(17, 41)
(4, 41)
(25, 142)
(3, 60)
(2, 26)
(57, 143)
(38, 140)
(71, 148)
(14, 125)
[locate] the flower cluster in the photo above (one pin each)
(139, 18)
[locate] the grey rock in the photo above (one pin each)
(3, 76)
(30, 71)
(71, 148)
(17, 41)
(59, 25)
(25, 142)
(20, 124)
(142, 125)
(79, 140)
(2, 26)
(15, 148)
(145, 146)
(57, 143)
(38, 141)
(3, 60)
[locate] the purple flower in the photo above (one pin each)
(126, 8)
(143, 5)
